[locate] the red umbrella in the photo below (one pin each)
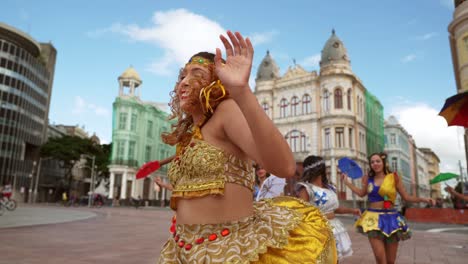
(455, 110)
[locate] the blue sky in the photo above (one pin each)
(399, 49)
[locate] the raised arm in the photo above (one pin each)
(359, 192)
(410, 198)
(456, 194)
(274, 153)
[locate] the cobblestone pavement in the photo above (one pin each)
(127, 235)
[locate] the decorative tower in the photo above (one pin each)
(129, 79)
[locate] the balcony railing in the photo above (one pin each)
(130, 163)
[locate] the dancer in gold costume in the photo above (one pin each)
(219, 129)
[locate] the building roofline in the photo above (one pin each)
(23, 39)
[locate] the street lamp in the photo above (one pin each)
(91, 186)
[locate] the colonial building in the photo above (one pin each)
(136, 139)
(400, 148)
(458, 30)
(432, 171)
(329, 113)
(26, 76)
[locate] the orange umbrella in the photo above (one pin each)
(455, 110)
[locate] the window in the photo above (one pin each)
(394, 164)
(326, 101)
(339, 137)
(306, 104)
(338, 99)
(294, 104)
(283, 107)
(327, 143)
(131, 150)
(123, 121)
(351, 138)
(149, 131)
(392, 139)
(297, 141)
(133, 123)
(148, 153)
(120, 149)
(266, 108)
(348, 96)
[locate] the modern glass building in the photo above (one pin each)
(26, 76)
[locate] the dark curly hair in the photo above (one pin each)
(383, 156)
(315, 171)
(181, 131)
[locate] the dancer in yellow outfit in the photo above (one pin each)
(381, 223)
(219, 130)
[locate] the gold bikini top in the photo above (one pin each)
(201, 169)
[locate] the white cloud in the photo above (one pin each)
(83, 107)
(408, 58)
(261, 38)
(430, 130)
(179, 33)
(80, 105)
(312, 61)
(427, 36)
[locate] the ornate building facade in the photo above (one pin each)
(136, 139)
(323, 113)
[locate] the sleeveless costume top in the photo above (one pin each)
(385, 192)
(202, 169)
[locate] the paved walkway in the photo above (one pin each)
(28, 216)
(126, 235)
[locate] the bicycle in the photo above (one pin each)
(9, 204)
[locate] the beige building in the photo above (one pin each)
(319, 113)
(432, 170)
(458, 37)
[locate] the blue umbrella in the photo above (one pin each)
(350, 168)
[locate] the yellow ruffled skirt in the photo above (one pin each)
(282, 230)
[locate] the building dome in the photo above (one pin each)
(268, 70)
(334, 52)
(130, 74)
(95, 139)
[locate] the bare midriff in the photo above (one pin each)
(378, 205)
(235, 204)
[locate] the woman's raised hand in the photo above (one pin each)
(235, 73)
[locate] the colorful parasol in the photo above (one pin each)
(147, 169)
(455, 110)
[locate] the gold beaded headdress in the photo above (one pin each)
(200, 61)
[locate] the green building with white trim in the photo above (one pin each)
(136, 139)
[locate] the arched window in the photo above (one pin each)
(266, 108)
(349, 99)
(283, 107)
(297, 141)
(338, 99)
(306, 104)
(326, 101)
(294, 104)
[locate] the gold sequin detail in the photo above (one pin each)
(203, 169)
(282, 230)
